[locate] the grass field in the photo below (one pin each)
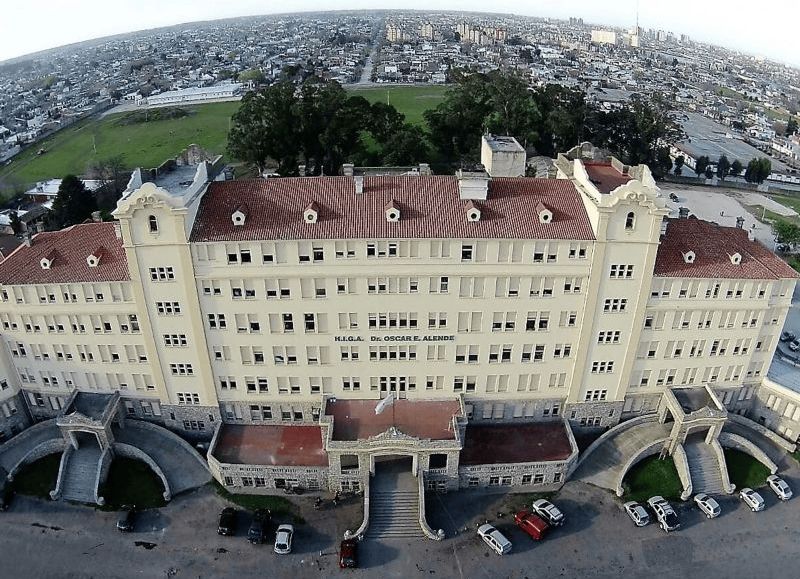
(744, 470)
(145, 144)
(38, 478)
(412, 101)
(150, 143)
(131, 482)
(652, 477)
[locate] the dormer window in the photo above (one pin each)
(736, 258)
(544, 213)
(153, 224)
(688, 256)
(630, 221)
(93, 259)
(239, 215)
(45, 263)
(311, 214)
(392, 211)
(473, 211)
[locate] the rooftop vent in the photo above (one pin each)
(239, 215)
(311, 214)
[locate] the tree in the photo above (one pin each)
(758, 170)
(791, 127)
(786, 232)
(113, 179)
(723, 167)
(563, 111)
(15, 222)
(709, 172)
(73, 204)
(736, 168)
(701, 164)
(406, 146)
(679, 161)
(254, 74)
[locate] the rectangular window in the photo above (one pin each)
(162, 274)
(621, 271)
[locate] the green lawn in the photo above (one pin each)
(145, 144)
(38, 478)
(412, 101)
(652, 477)
(277, 505)
(744, 470)
(787, 200)
(131, 482)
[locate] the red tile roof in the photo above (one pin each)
(512, 443)
(713, 245)
(270, 445)
(70, 248)
(604, 176)
(425, 419)
(430, 206)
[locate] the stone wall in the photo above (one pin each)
(202, 420)
(235, 478)
(523, 477)
(16, 423)
(585, 415)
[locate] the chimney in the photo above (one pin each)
(118, 229)
(424, 169)
(683, 213)
(27, 238)
(358, 180)
(473, 183)
(301, 170)
(347, 169)
(740, 222)
(96, 217)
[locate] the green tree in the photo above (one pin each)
(266, 127)
(15, 222)
(254, 74)
(709, 172)
(73, 204)
(723, 167)
(407, 146)
(563, 112)
(701, 164)
(758, 170)
(786, 232)
(736, 168)
(791, 127)
(679, 161)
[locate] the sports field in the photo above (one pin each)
(148, 144)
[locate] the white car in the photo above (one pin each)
(779, 486)
(637, 513)
(752, 499)
(665, 514)
(549, 512)
(283, 539)
(495, 539)
(707, 504)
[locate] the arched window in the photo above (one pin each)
(153, 224)
(630, 220)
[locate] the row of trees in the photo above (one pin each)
(757, 170)
(319, 125)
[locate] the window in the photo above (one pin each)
(188, 398)
(615, 305)
(175, 340)
(621, 271)
(217, 321)
(602, 367)
(162, 274)
(608, 337)
(153, 224)
(181, 369)
(595, 395)
(168, 308)
(288, 323)
(466, 252)
(630, 221)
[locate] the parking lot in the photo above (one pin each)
(43, 539)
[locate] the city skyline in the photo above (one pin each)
(760, 34)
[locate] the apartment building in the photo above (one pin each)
(492, 315)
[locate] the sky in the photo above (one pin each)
(766, 28)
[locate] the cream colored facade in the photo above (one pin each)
(264, 331)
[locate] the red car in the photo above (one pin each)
(348, 554)
(532, 524)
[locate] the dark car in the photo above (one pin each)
(348, 554)
(227, 522)
(259, 528)
(6, 496)
(127, 519)
(788, 337)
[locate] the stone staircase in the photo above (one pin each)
(80, 474)
(394, 503)
(704, 468)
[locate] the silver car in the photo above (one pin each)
(637, 513)
(707, 504)
(752, 499)
(495, 539)
(779, 487)
(283, 539)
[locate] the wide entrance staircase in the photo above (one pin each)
(394, 501)
(80, 473)
(704, 466)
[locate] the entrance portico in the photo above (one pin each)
(89, 413)
(693, 410)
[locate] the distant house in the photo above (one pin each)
(46, 191)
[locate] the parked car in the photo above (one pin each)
(794, 345)
(779, 487)
(6, 496)
(665, 514)
(495, 539)
(283, 539)
(227, 522)
(348, 554)
(637, 513)
(127, 519)
(549, 512)
(787, 336)
(257, 533)
(707, 504)
(752, 499)
(532, 524)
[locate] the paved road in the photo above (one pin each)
(43, 539)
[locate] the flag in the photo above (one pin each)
(383, 404)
